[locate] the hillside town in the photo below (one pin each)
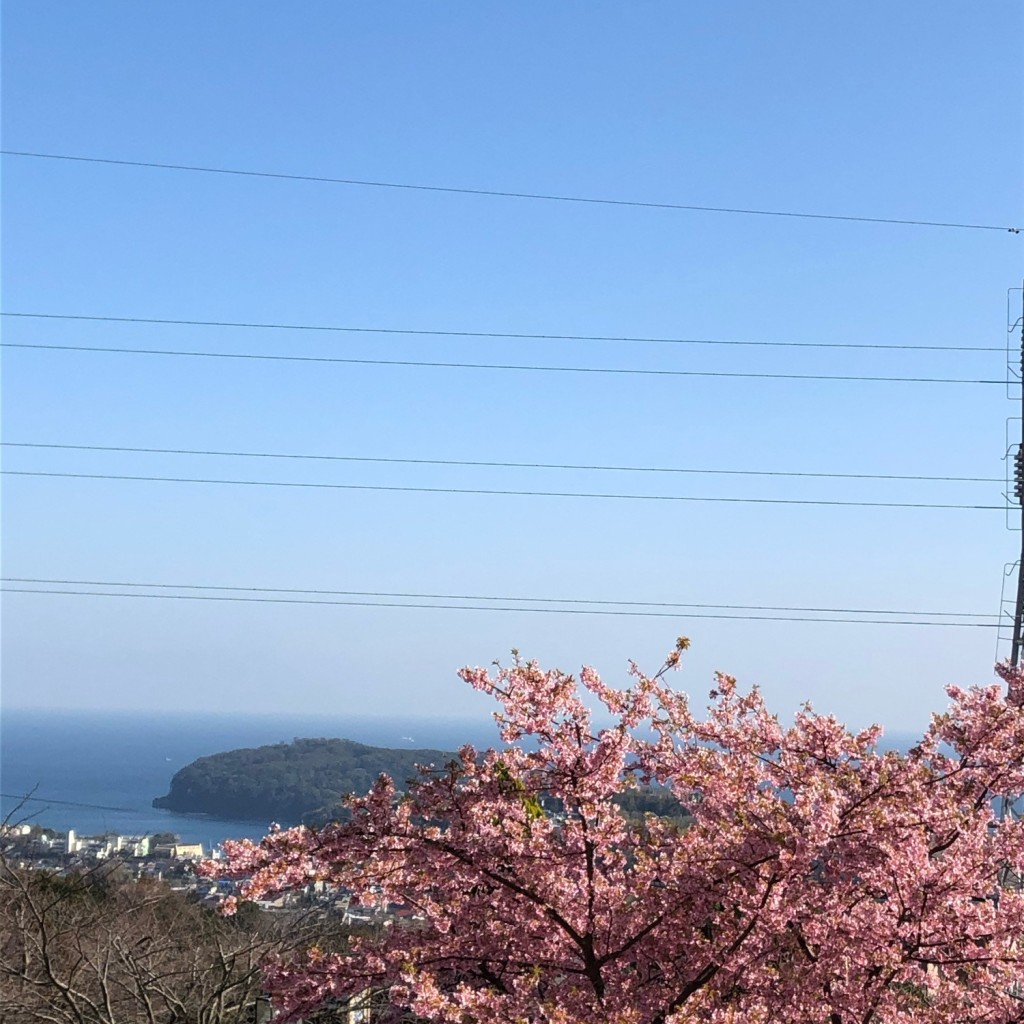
(163, 857)
(38, 846)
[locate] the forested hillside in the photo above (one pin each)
(305, 780)
(287, 782)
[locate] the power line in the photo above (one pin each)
(65, 803)
(501, 465)
(491, 597)
(498, 366)
(493, 608)
(452, 190)
(505, 334)
(497, 492)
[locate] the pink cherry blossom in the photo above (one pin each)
(821, 881)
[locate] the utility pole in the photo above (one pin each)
(1007, 877)
(1018, 492)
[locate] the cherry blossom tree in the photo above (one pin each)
(822, 881)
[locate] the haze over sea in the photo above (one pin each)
(99, 771)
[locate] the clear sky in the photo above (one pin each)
(865, 109)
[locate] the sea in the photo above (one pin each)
(98, 772)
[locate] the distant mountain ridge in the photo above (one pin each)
(289, 782)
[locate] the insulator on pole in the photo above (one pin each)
(1018, 473)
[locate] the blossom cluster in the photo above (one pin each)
(822, 881)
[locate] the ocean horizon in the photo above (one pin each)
(97, 772)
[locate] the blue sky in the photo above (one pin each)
(866, 109)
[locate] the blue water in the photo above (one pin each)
(98, 772)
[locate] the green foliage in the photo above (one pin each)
(288, 782)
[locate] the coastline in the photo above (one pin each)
(99, 772)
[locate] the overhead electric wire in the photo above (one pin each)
(23, 797)
(628, 371)
(547, 197)
(495, 608)
(246, 325)
(500, 465)
(497, 492)
(491, 597)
